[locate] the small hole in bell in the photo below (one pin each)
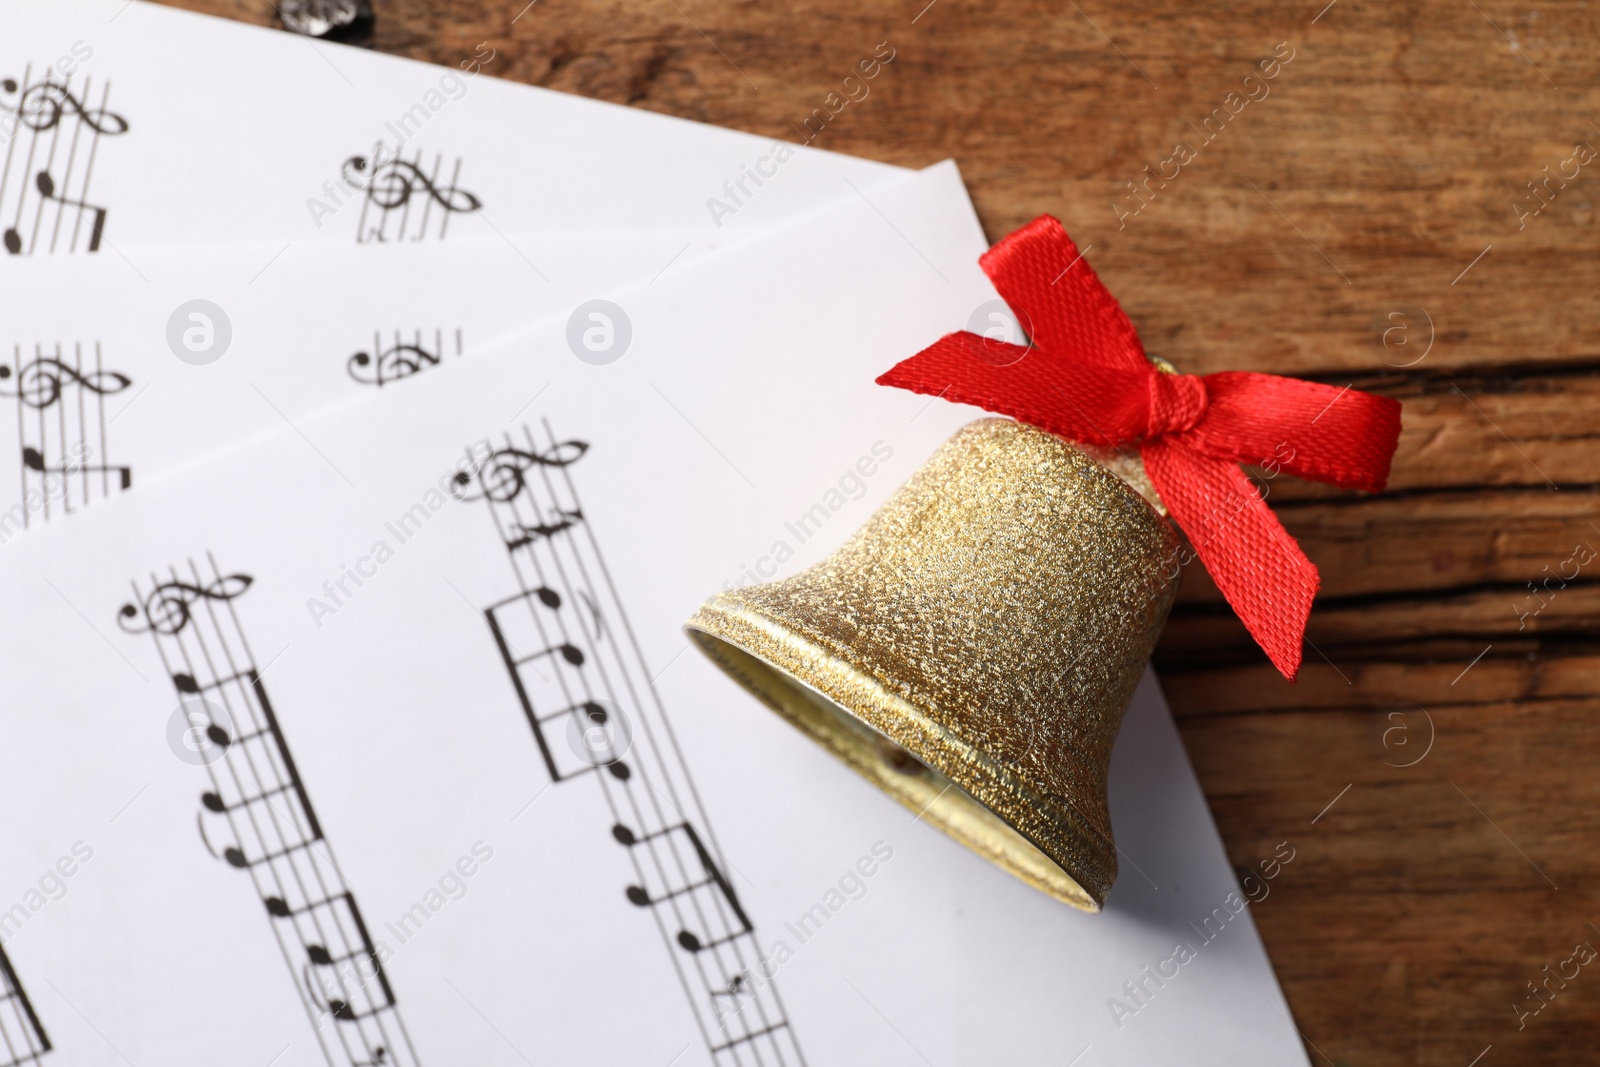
(898, 759)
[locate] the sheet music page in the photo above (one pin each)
(102, 356)
(378, 740)
(129, 125)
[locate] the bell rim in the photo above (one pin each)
(1077, 853)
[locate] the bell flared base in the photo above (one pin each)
(902, 751)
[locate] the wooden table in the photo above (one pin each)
(1364, 217)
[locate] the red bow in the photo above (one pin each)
(1086, 378)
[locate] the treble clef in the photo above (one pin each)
(390, 365)
(42, 106)
(168, 608)
(504, 474)
(39, 383)
(391, 184)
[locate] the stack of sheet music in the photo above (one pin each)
(376, 426)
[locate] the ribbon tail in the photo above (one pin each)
(1258, 567)
(1343, 437)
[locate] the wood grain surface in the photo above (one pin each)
(1403, 207)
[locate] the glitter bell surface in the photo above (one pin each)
(972, 649)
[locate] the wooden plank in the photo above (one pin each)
(1488, 615)
(1427, 675)
(1420, 903)
(1436, 543)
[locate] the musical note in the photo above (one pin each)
(167, 609)
(219, 737)
(589, 711)
(43, 105)
(33, 459)
(237, 858)
(714, 879)
(40, 382)
(47, 189)
(528, 534)
(503, 476)
(548, 597)
(279, 908)
(331, 975)
(595, 713)
(214, 802)
(571, 653)
(734, 987)
(341, 1009)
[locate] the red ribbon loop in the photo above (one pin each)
(1086, 378)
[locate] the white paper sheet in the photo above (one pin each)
(189, 130)
(746, 398)
(104, 355)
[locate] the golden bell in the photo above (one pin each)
(972, 649)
